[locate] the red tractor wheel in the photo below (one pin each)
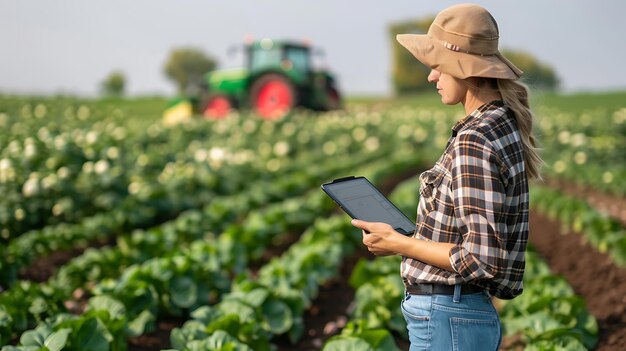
(273, 96)
(216, 106)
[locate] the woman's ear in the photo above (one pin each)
(492, 83)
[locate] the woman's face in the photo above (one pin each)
(451, 89)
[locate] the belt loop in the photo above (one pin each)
(457, 293)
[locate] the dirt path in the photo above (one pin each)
(329, 311)
(614, 206)
(43, 268)
(591, 274)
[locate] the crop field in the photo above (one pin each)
(121, 232)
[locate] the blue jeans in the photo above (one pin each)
(439, 323)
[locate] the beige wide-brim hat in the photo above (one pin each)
(462, 41)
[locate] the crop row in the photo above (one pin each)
(585, 147)
(23, 250)
(604, 233)
(52, 173)
(180, 275)
(138, 246)
(56, 166)
(260, 224)
(206, 170)
(271, 303)
(35, 300)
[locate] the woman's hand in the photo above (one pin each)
(377, 236)
(382, 240)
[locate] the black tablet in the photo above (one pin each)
(362, 200)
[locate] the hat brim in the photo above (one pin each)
(435, 55)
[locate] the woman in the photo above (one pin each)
(472, 220)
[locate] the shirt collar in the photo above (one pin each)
(475, 114)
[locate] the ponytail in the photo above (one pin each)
(515, 96)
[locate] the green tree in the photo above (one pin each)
(408, 74)
(114, 84)
(537, 75)
(185, 67)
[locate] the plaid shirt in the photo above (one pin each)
(476, 196)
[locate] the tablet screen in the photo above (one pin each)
(361, 200)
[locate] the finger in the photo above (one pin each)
(368, 242)
(359, 224)
(362, 225)
(382, 253)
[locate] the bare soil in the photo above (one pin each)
(158, 339)
(591, 274)
(45, 267)
(329, 312)
(42, 268)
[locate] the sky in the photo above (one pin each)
(71, 46)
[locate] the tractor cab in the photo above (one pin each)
(292, 59)
(278, 77)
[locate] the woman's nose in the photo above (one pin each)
(433, 76)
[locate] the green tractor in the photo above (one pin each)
(278, 77)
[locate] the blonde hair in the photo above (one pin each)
(515, 96)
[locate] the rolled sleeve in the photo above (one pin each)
(478, 195)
